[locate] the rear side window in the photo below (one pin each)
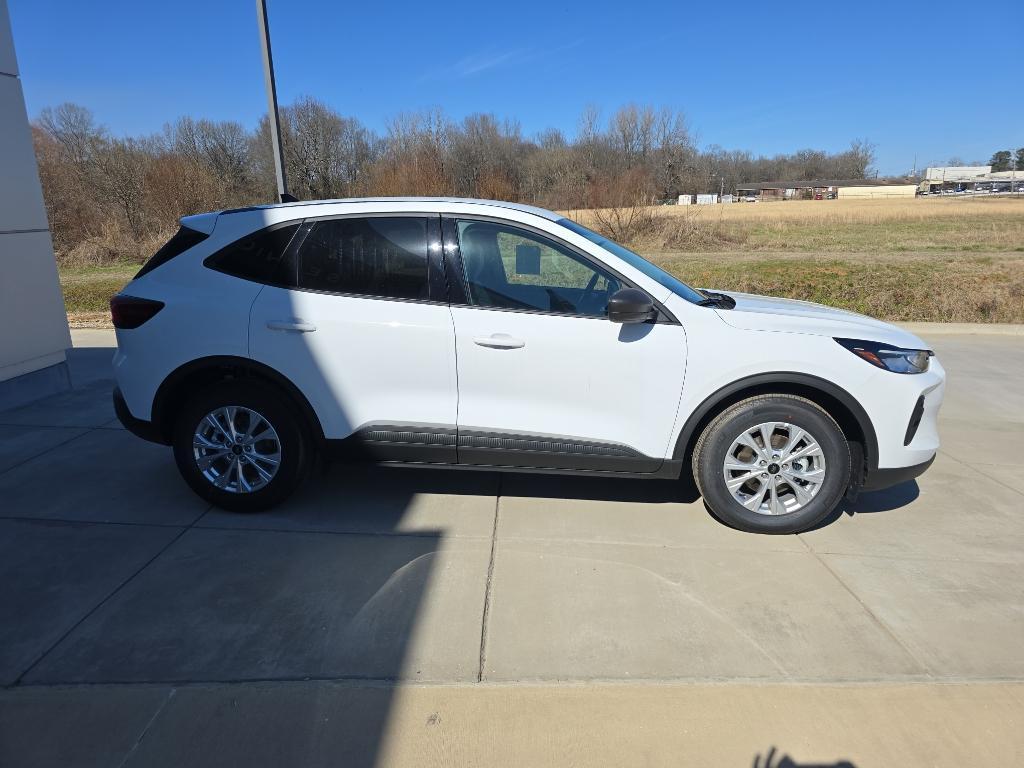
(259, 257)
(183, 239)
(376, 256)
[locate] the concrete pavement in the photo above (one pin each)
(399, 617)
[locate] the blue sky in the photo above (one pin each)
(932, 78)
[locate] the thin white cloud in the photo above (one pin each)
(483, 61)
(474, 65)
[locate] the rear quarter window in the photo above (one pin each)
(183, 239)
(261, 256)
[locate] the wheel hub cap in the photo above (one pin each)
(236, 449)
(774, 468)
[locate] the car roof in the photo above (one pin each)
(542, 212)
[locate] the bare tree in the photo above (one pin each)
(129, 189)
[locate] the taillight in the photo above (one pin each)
(129, 312)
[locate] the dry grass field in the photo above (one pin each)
(930, 259)
(880, 225)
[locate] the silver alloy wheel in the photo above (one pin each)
(236, 449)
(774, 468)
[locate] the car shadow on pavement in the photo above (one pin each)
(772, 760)
(871, 502)
(599, 488)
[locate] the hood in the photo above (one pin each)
(764, 313)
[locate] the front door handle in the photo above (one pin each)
(499, 341)
(291, 325)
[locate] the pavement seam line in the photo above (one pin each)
(69, 521)
(54, 426)
(146, 729)
(355, 681)
(104, 601)
(485, 619)
(973, 468)
(881, 624)
(318, 532)
(51, 448)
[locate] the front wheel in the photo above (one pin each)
(239, 446)
(772, 464)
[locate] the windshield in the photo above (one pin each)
(677, 286)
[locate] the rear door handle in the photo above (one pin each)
(499, 341)
(291, 325)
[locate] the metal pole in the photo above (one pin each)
(274, 116)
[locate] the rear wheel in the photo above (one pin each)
(239, 446)
(772, 464)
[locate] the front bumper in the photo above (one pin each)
(904, 412)
(138, 427)
(879, 479)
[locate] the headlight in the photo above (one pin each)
(889, 357)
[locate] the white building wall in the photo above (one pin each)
(33, 326)
(878, 190)
(956, 172)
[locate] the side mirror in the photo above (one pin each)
(630, 305)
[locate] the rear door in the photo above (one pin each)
(545, 379)
(364, 330)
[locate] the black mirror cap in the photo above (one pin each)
(630, 305)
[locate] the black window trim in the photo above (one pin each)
(436, 285)
(459, 290)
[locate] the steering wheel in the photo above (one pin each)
(589, 291)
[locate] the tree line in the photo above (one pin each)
(1005, 160)
(111, 197)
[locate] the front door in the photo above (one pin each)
(545, 379)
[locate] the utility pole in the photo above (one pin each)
(273, 114)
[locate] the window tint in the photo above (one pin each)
(259, 256)
(674, 284)
(516, 269)
(378, 256)
(183, 239)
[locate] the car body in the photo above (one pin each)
(484, 334)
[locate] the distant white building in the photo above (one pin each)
(33, 326)
(956, 172)
(971, 178)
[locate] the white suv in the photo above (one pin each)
(482, 334)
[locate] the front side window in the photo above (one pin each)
(674, 284)
(375, 256)
(511, 268)
(259, 256)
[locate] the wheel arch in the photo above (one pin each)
(836, 401)
(188, 378)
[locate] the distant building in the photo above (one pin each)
(968, 179)
(956, 172)
(823, 189)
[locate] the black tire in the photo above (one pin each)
(711, 449)
(275, 410)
